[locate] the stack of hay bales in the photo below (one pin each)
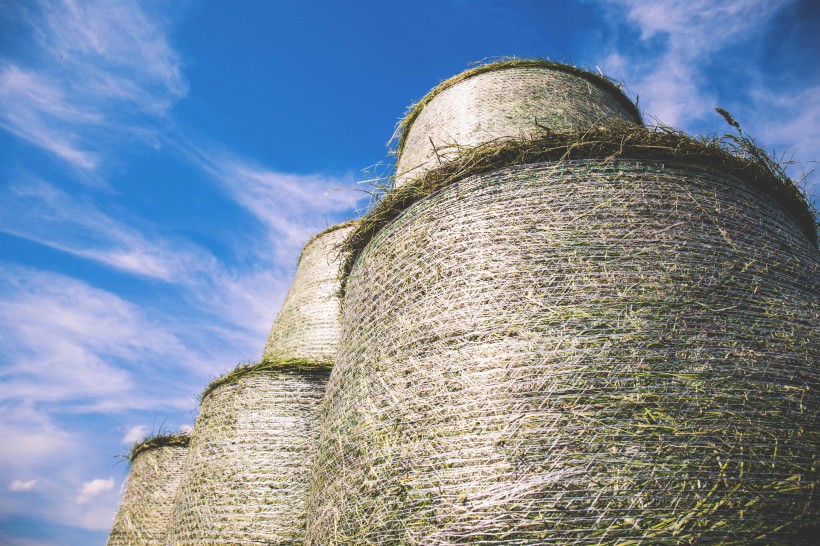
(245, 479)
(599, 335)
(156, 469)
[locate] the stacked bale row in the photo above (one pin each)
(156, 469)
(245, 478)
(599, 336)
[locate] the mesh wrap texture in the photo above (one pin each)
(245, 478)
(308, 324)
(510, 102)
(579, 352)
(143, 515)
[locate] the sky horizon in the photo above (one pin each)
(163, 163)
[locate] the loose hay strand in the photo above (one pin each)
(181, 439)
(618, 140)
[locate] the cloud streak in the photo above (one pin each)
(291, 207)
(99, 70)
(678, 68)
(93, 488)
(41, 212)
(678, 42)
(18, 485)
(66, 341)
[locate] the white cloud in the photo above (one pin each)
(30, 438)
(186, 429)
(292, 207)
(680, 70)
(791, 123)
(18, 485)
(93, 488)
(40, 212)
(669, 76)
(65, 341)
(98, 69)
(698, 27)
(35, 108)
(135, 434)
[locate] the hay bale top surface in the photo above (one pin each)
(180, 439)
(403, 127)
(299, 365)
(732, 155)
(322, 233)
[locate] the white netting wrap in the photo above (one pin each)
(245, 478)
(142, 518)
(308, 324)
(513, 102)
(579, 352)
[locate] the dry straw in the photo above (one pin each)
(245, 478)
(307, 326)
(511, 98)
(584, 338)
(156, 468)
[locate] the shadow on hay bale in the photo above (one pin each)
(511, 99)
(606, 336)
(156, 469)
(308, 324)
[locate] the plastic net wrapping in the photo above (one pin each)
(505, 100)
(579, 352)
(308, 324)
(143, 516)
(245, 479)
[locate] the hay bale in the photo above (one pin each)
(576, 352)
(505, 99)
(308, 324)
(156, 468)
(245, 478)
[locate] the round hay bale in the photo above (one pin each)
(156, 468)
(576, 352)
(308, 324)
(245, 479)
(510, 99)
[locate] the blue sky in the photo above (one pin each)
(162, 164)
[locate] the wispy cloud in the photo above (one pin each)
(40, 212)
(239, 299)
(93, 488)
(31, 438)
(668, 69)
(19, 485)
(134, 434)
(678, 68)
(291, 207)
(98, 69)
(67, 341)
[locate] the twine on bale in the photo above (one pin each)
(307, 326)
(507, 99)
(244, 481)
(598, 337)
(156, 468)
